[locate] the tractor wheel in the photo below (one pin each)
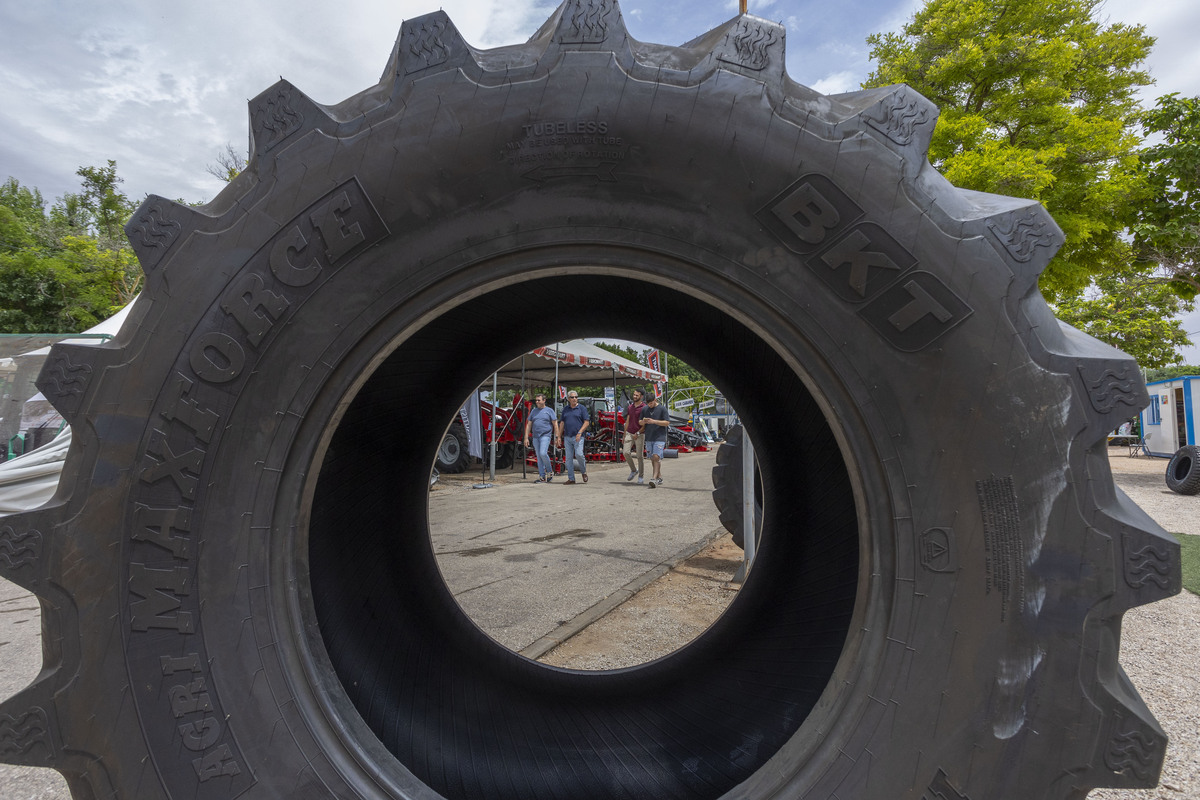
(1183, 470)
(727, 487)
(505, 454)
(453, 456)
(238, 588)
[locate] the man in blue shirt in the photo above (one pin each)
(542, 425)
(574, 422)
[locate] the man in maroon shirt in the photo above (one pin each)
(635, 439)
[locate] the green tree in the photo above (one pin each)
(1037, 100)
(230, 163)
(113, 277)
(26, 205)
(623, 352)
(14, 233)
(107, 208)
(1167, 373)
(60, 272)
(1134, 312)
(30, 293)
(67, 291)
(678, 369)
(1167, 228)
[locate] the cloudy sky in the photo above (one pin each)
(161, 88)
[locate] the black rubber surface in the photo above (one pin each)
(690, 726)
(237, 587)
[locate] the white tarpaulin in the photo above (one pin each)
(30, 480)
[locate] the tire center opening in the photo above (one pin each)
(471, 718)
(539, 569)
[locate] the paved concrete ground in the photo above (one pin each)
(20, 661)
(532, 563)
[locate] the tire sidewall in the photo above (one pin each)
(1187, 460)
(878, 397)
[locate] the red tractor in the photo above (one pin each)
(453, 456)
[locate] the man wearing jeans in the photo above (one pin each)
(571, 427)
(655, 421)
(542, 425)
(635, 438)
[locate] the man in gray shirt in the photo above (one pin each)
(655, 421)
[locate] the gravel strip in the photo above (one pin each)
(660, 619)
(1160, 643)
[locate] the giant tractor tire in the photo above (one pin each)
(727, 487)
(238, 590)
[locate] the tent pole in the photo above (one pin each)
(612, 447)
(521, 433)
(557, 356)
(495, 409)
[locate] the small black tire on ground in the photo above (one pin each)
(453, 455)
(1183, 470)
(239, 592)
(727, 487)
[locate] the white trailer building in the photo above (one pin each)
(1169, 422)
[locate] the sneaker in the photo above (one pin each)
(651, 484)
(632, 474)
(540, 480)
(585, 477)
(641, 480)
(569, 483)
(658, 481)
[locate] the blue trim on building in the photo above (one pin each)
(1152, 415)
(1188, 423)
(1170, 380)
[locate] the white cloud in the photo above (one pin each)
(1175, 60)
(838, 83)
(163, 91)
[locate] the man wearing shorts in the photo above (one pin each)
(655, 421)
(635, 440)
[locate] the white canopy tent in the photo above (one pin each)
(574, 363)
(97, 335)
